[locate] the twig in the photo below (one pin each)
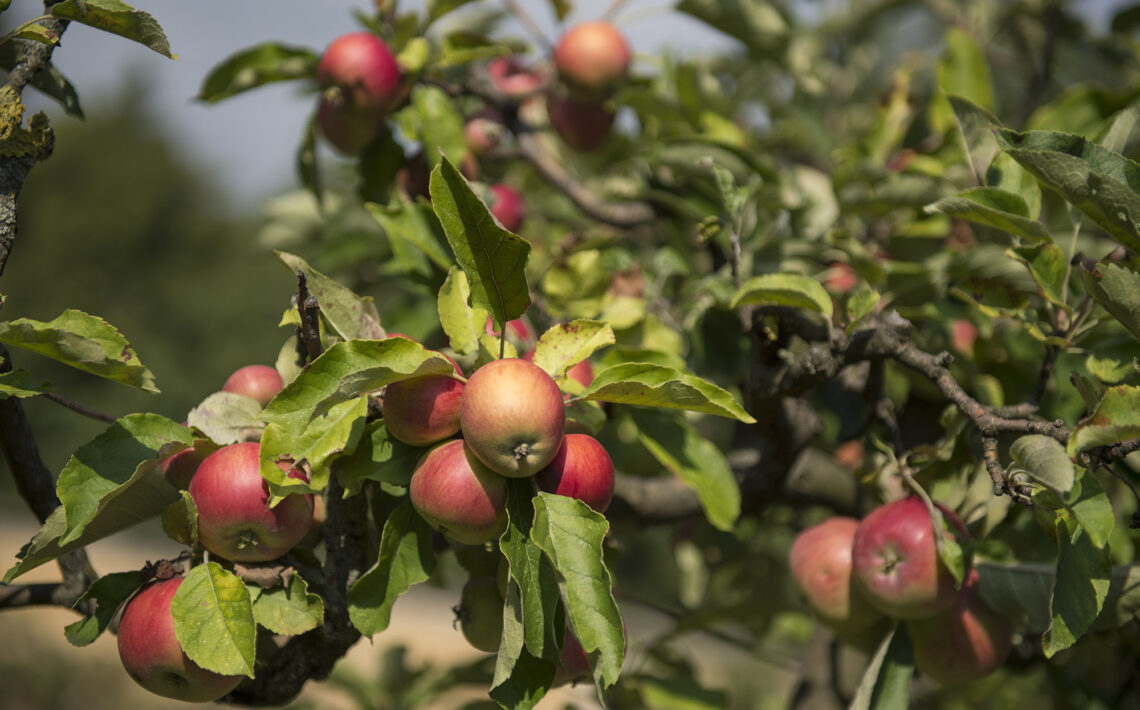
(77, 407)
(309, 310)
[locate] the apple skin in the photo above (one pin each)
(520, 328)
(348, 131)
(592, 55)
(362, 67)
(580, 371)
(583, 124)
(458, 495)
(152, 656)
(581, 469)
(895, 560)
(512, 417)
(820, 562)
(414, 177)
(512, 77)
(234, 520)
(480, 613)
(966, 642)
(423, 410)
(507, 206)
(179, 469)
(260, 382)
(963, 335)
(484, 131)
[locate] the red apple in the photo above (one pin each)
(361, 83)
(850, 455)
(581, 469)
(260, 382)
(583, 124)
(840, 278)
(480, 613)
(348, 131)
(963, 335)
(573, 663)
(820, 562)
(234, 519)
(458, 495)
(507, 206)
(423, 410)
(520, 328)
(966, 642)
(180, 468)
(512, 417)
(152, 655)
(484, 131)
(592, 55)
(895, 560)
(513, 78)
(581, 371)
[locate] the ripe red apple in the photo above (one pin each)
(514, 78)
(963, 335)
(840, 278)
(458, 495)
(966, 642)
(484, 131)
(849, 454)
(480, 613)
(520, 328)
(895, 560)
(583, 124)
(592, 55)
(260, 382)
(507, 206)
(152, 655)
(573, 663)
(234, 519)
(512, 417)
(348, 131)
(820, 562)
(581, 469)
(423, 410)
(361, 83)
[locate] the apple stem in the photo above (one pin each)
(522, 451)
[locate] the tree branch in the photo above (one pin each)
(77, 407)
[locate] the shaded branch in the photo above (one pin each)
(77, 407)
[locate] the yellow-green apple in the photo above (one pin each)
(152, 655)
(507, 206)
(512, 417)
(459, 496)
(896, 563)
(260, 382)
(582, 123)
(581, 469)
(234, 517)
(480, 613)
(361, 83)
(511, 76)
(820, 562)
(966, 642)
(592, 55)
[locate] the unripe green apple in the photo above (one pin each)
(458, 495)
(480, 613)
(820, 562)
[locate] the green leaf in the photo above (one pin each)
(1005, 173)
(257, 66)
(213, 620)
(81, 341)
(49, 80)
(572, 536)
(1021, 592)
(795, 290)
(532, 572)
(1116, 418)
(417, 226)
(993, 207)
(567, 344)
(306, 160)
(1045, 460)
(976, 125)
(523, 682)
(226, 417)
(438, 8)
(325, 437)
(351, 316)
(1101, 184)
(676, 692)
(964, 71)
(1089, 505)
(658, 386)
(561, 8)
(38, 33)
(462, 323)
(117, 18)
(1117, 290)
(432, 119)
(759, 24)
(860, 305)
(291, 610)
(1113, 365)
(1048, 267)
(1080, 590)
(108, 592)
(886, 682)
(406, 557)
(17, 383)
(493, 258)
(180, 520)
(699, 463)
(377, 457)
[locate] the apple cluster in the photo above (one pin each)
(856, 575)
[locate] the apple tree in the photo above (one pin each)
(824, 346)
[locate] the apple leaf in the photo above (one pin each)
(568, 344)
(108, 592)
(1080, 589)
(333, 433)
(1045, 460)
(352, 317)
(377, 457)
(213, 620)
(1117, 290)
(48, 80)
(795, 290)
(406, 557)
(17, 384)
(572, 536)
(226, 417)
(532, 572)
(886, 682)
(976, 126)
(257, 66)
(1048, 267)
(463, 324)
(1116, 418)
(658, 386)
(431, 118)
(861, 304)
(676, 692)
(416, 225)
(698, 462)
(520, 681)
(82, 341)
(993, 207)
(289, 611)
(180, 520)
(493, 258)
(118, 18)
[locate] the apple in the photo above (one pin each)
(512, 77)
(152, 656)
(512, 417)
(260, 382)
(840, 278)
(507, 206)
(484, 131)
(895, 560)
(849, 455)
(179, 468)
(361, 83)
(234, 518)
(348, 131)
(520, 328)
(820, 562)
(573, 663)
(414, 177)
(458, 495)
(963, 335)
(480, 613)
(592, 55)
(423, 410)
(581, 469)
(583, 124)
(966, 642)
(581, 371)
